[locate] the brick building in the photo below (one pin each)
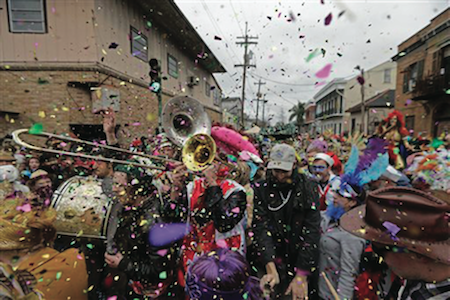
(423, 78)
(63, 61)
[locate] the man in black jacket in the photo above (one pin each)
(286, 227)
(140, 270)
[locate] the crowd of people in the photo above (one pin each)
(323, 217)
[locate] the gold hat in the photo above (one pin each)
(6, 156)
(23, 227)
(38, 173)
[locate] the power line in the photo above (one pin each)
(256, 76)
(235, 16)
(219, 31)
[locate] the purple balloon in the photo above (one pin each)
(164, 234)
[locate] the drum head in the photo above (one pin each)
(82, 208)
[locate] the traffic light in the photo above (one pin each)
(155, 75)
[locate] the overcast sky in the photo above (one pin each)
(364, 33)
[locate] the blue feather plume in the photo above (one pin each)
(376, 169)
(353, 160)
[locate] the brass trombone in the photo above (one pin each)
(16, 137)
(186, 124)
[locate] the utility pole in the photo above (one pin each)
(246, 65)
(258, 98)
(264, 111)
(363, 108)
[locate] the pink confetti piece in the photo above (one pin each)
(162, 252)
(328, 19)
(221, 243)
(324, 72)
(408, 102)
(24, 208)
(236, 210)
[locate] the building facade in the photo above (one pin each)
(376, 109)
(62, 62)
(309, 125)
(377, 80)
(423, 78)
(231, 111)
(330, 107)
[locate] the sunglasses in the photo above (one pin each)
(318, 168)
(381, 249)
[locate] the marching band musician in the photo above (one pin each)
(139, 270)
(215, 212)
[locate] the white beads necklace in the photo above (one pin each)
(283, 203)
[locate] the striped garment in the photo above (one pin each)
(419, 290)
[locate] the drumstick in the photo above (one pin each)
(330, 287)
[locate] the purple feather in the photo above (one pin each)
(374, 149)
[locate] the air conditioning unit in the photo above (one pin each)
(193, 81)
(105, 97)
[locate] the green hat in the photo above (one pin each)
(133, 171)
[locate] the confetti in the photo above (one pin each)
(113, 46)
(312, 55)
(41, 114)
(324, 72)
(360, 80)
(217, 38)
(37, 128)
(163, 275)
(24, 208)
(328, 19)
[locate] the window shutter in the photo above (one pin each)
(420, 69)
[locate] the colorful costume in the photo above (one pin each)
(395, 134)
(216, 216)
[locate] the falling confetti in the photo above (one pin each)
(113, 46)
(312, 55)
(324, 72)
(217, 38)
(360, 80)
(37, 128)
(328, 19)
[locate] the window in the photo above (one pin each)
(216, 96)
(387, 76)
(27, 16)
(411, 74)
(172, 66)
(138, 44)
(207, 89)
(409, 122)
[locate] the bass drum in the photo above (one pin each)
(82, 208)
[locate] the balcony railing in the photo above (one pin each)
(328, 113)
(431, 87)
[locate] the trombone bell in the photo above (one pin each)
(199, 152)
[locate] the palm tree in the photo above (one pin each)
(297, 112)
